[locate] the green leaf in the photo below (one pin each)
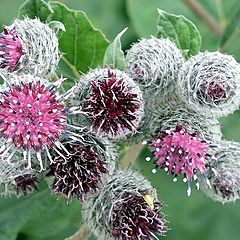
(83, 45)
(35, 8)
(180, 30)
(41, 214)
(114, 56)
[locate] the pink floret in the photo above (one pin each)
(31, 116)
(180, 152)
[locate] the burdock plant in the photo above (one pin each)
(67, 126)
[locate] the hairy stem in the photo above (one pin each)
(131, 155)
(205, 16)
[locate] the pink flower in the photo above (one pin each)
(31, 116)
(33, 119)
(10, 48)
(181, 152)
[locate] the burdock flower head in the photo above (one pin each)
(209, 82)
(28, 46)
(181, 152)
(33, 117)
(154, 62)
(126, 209)
(112, 102)
(79, 173)
(224, 174)
(15, 179)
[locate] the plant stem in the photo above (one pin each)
(82, 234)
(131, 155)
(73, 68)
(205, 16)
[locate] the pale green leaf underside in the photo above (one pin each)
(114, 56)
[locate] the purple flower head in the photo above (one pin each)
(10, 48)
(133, 218)
(31, 116)
(180, 152)
(34, 118)
(126, 208)
(112, 101)
(79, 173)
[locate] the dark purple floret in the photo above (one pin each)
(113, 106)
(225, 189)
(79, 173)
(134, 219)
(215, 90)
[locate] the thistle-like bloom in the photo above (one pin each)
(80, 172)
(28, 46)
(112, 102)
(10, 49)
(209, 82)
(224, 174)
(178, 152)
(33, 117)
(126, 209)
(154, 62)
(15, 179)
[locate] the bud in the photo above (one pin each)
(126, 208)
(209, 83)
(169, 117)
(154, 62)
(112, 102)
(224, 174)
(28, 46)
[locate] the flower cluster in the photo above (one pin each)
(72, 136)
(182, 103)
(63, 135)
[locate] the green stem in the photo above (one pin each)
(73, 68)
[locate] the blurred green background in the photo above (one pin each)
(43, 216)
